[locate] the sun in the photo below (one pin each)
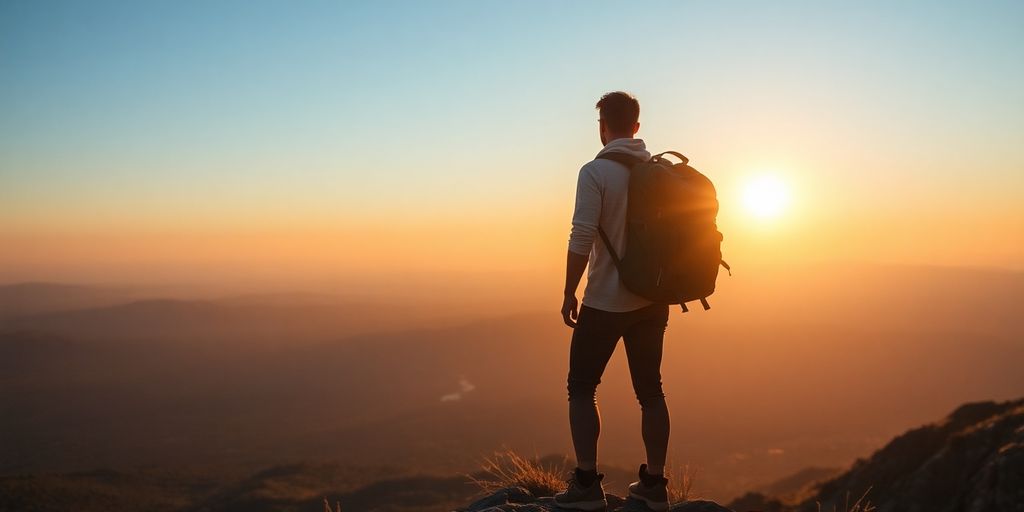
(766, 197)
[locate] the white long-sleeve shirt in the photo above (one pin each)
(601, 195)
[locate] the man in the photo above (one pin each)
(610, 312)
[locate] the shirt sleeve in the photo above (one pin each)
(587, 213)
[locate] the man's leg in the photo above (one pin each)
(593, 342)
(644, 341)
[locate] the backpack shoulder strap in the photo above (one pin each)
(629, 161)
(622, 158)
(611, 250)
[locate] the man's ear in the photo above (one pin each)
(636, 128)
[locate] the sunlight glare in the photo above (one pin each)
(766, 197)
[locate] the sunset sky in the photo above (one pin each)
(195, 141)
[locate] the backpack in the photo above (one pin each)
(673, 246)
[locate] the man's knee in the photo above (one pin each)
(650, 396)
(582, 390)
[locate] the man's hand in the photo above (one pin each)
(569, 310)
(575, 264)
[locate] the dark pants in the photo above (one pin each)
(593, 342)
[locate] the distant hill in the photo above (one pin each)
(972, 461)
(21, 299)
(795, 483)
(133, 315)
(192, 320)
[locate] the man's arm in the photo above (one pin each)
(575, 264)
(585, 219)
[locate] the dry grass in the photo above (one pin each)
(509, 469)
(680, 483)
(861, 505)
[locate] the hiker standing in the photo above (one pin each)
(609, 312)
(647, 228)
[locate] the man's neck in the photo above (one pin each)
(617, 137)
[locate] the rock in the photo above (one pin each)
(509, 495)
(515, 499)
(758, 502)
(547, 503)
(699, 506)
(530, 507)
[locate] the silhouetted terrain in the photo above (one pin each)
(299, 487)
(972, 461)
(292, 487)
(813, 367)
(793, 484)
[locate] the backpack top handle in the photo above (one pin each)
(680, 156)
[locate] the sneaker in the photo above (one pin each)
(651, 489)
(577, 497)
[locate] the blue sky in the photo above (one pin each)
(114, 113)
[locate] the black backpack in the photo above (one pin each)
(673, 246)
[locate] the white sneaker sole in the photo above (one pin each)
(584, 505)
(656, 506)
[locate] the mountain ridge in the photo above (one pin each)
(970, 461)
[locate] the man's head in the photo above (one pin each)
(619, 116)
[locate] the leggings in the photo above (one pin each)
(593, 342)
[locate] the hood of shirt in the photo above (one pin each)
(632, 147)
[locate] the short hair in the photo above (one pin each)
(619, 110)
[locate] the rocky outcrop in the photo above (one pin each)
(972, 461)
(515, 499)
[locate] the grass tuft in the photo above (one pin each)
(680, 484)
(508, 469)
(327, 506)
(861, 505)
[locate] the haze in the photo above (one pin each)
(242, 233)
